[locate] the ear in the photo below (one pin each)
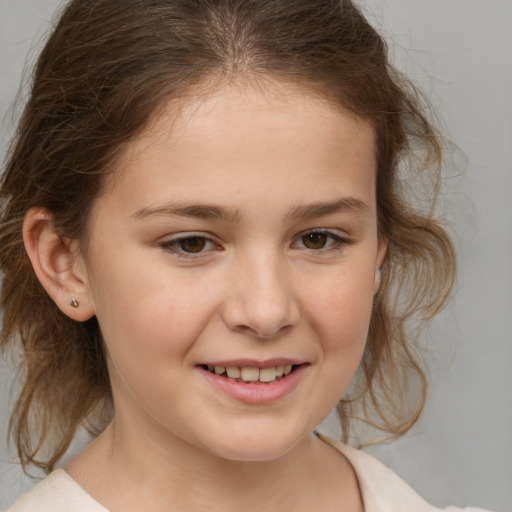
(58, 265)
(382, 251)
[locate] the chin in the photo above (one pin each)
(256, 445)
(258, 452)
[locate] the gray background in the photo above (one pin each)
(460, 51)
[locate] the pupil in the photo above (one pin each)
(193, 244)
(315, 240)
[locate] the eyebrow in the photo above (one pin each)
(194, 210)
(234, 215)
(320, 209)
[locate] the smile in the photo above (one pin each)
(254, 382)
(252, 374)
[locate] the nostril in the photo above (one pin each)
(261, 313)
(262, 332)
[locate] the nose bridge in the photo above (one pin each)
(262, 302)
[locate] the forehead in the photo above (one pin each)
(236, 137)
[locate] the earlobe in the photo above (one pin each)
(56, 266)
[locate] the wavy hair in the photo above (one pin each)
(105, 70)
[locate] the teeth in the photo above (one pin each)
(233, 372)
(267, 374)
(250, 374)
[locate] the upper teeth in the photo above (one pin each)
(251, 374)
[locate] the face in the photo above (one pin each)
(231, 266)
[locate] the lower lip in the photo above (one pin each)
(255, 393)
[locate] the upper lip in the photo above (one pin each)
(253, 363)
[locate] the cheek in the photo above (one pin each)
(148, 344)
(340, 310)
(154, 324)
(148, 320)
(340, 317)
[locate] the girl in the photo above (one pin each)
(204, 244)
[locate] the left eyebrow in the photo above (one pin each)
(320, 209)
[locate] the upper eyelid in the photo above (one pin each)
(338, 240)
(176, 237)
(213, 238)
(327, 231)
(172, 246)
(187, 234)
(173, 240)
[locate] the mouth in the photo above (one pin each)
(251, 374)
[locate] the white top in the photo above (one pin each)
(381, 489)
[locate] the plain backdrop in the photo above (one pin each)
(460, 52)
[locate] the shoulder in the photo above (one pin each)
(57, 493)
(382, 490)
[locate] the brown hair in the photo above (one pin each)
(105, 70)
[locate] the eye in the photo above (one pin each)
(318, 240)
(315, 240)
(193, 244)
(188, 245)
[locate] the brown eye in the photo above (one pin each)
(315, 240)
(193, 244)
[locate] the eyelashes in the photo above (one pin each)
(189, 245)
(320, 240)
(198, 245)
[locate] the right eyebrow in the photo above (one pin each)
(194, 210)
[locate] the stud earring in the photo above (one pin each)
(74, 303)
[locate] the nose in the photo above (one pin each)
(260, 299)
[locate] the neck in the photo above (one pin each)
(129, 472)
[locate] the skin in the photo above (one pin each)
(276, 163)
